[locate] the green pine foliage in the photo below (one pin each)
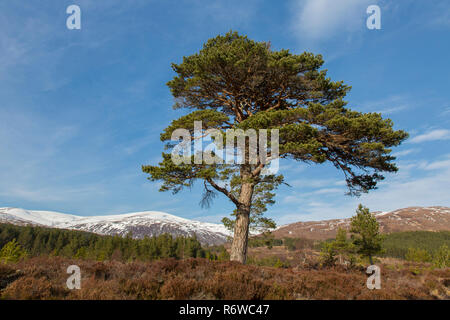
(266, 239)
(366, 236)
(12, 252)
(398, 244)
(78, 244)
(340, 249)
(293, 244)
(441, 258)
(344, 248)
(418, 255)
(237, 83)
(328, 254)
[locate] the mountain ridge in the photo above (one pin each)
(140, 224)
(434, 218)
(154, 223)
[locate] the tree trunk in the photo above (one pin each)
(241, 226)
(240, 239)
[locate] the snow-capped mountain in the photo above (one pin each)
(406, 219)
(140, 224)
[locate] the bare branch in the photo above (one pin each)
(223, 190)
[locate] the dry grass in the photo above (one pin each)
(45, 278)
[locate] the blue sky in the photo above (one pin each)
(81, 110)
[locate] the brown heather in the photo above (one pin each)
(45, 278)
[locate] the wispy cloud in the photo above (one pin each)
(446, 111)
(441, 15)
(52, 193)
(435, 165)
(389, 105)
(419, 183)
(405, 152)
(432, 135)
(323, 19)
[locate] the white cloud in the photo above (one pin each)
(52, 194)
(389, 105)
(446, 112)
(291, 167)
(418, 183)
(437, 134)
(405, 152)
(438, 165)
(34, 165)
(322, 19)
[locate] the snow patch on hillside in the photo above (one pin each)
(140, 223)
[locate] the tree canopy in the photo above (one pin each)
(365, 231)
(236, 83)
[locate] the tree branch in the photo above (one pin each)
(223, 190)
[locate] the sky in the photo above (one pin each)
(82, 110)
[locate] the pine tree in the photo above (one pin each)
(78, 244)
(223, 254)
(441, 258)
(341, 244)
(59, 245)
(237, 83)
(12, 252)
(25, 238)
(328, 253)
(366, 235)
(418, 255)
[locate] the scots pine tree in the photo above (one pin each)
(236, 83)
(366, 235)
(441, 258)
(341, 244)
(12, 252)
(328, 254)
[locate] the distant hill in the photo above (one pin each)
(406, 219)
(140, 224)
(154, 223)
